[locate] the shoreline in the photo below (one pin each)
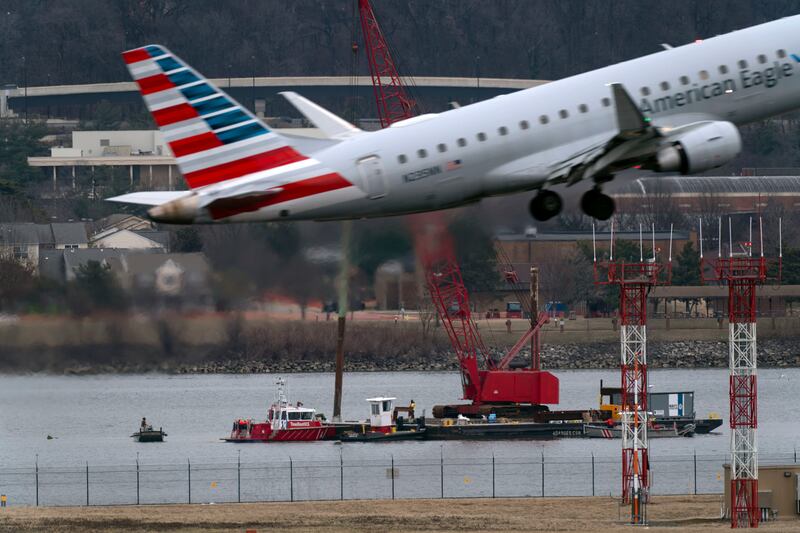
(772, 353)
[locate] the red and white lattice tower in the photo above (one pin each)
(634, 279)
(742, 273)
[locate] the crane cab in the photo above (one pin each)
(381, 411)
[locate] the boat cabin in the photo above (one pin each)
(283, 416)
(381, 413)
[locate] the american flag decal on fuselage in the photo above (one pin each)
(215, 139)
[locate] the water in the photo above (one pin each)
(91, 419)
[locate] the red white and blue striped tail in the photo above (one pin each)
(212, 136)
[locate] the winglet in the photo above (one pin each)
(332, 126)
(629, 118)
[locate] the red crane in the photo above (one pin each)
(494, 388)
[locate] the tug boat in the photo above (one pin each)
(285, 423)
(385, 424)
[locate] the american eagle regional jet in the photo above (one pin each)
(675, 111)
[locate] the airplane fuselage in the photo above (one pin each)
(534, 138)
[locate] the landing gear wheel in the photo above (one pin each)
(545, 205)
(597, 205)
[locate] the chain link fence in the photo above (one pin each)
(344, 479)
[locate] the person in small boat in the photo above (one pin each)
(143, 425)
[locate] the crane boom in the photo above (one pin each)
(392, 98)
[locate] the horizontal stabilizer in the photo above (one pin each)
(149, 197)
(328, 123)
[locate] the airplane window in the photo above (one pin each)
(742, 63)
(703, 74)
(441, 147)
(665, 86)
(422, 153)
(523, 125)
(781, 53)
(544, 119)
(606, 102)
(402, 158)
(563, 113)
(502, 130)
(462, 142)
(723, 69)
(645, 91)
(583, 108)
(762, 58)
(481, 136)
(684, 80)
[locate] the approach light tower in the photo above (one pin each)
(634, 279)
(742, 273)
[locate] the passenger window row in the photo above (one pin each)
(501, 131)
(583, 108)
(723, 69)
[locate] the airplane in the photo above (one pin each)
(675, 111)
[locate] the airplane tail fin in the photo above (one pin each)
(213, 137)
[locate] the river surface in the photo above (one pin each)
(91, 418)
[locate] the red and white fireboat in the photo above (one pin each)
(285, 423)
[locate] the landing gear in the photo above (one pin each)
(597, 205)
(545, 205)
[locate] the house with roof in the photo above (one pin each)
(24, 241)
(178, 280)
(120, 221)
(63, 265)
(131, 239)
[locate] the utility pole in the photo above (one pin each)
(343, 282)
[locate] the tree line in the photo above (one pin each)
(56, 42)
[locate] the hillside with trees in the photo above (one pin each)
(56, 42)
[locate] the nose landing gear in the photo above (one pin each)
(598, 205)
(545, 205)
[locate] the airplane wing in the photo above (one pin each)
(636, 141)
(635, 135)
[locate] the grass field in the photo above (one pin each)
(665, 513)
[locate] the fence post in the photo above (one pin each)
(592, 473)
(291, 480)
(341, 475)
(695, 472)
(87, 483)
(189, 477)
(542, 474)
(441, 468)
(37, 480)
(393, 476)
(493, 493)
(239, 477)
(137, 481)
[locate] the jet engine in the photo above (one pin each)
(708, 146)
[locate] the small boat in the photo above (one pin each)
(285, 423)
(385, 424)
(597, 431)
(148, 434)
